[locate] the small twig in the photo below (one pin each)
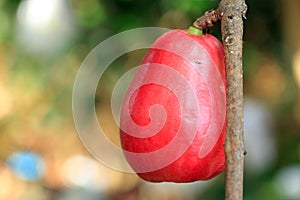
(208, 19)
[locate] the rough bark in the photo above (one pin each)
(232, 13)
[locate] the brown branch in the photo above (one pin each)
(208, 19)
(232, 12)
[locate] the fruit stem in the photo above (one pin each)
(194, 31)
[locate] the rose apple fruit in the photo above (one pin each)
(172, 123)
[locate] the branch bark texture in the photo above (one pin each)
(232, 13)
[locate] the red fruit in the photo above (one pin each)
(173, 114)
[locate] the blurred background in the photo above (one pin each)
(42, 45)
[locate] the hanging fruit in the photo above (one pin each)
(173, 115)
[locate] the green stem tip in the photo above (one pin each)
(194, 31)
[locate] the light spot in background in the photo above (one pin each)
(82, 171)
(259, 141)
(296, 67)
(287, 181)
(6, 181)
(38, 14)
(269, 82)
(27, 165)
(44, 27)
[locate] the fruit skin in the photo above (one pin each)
(200, 61)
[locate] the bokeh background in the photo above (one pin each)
(43, 43)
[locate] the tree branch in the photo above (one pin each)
(232, 12)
